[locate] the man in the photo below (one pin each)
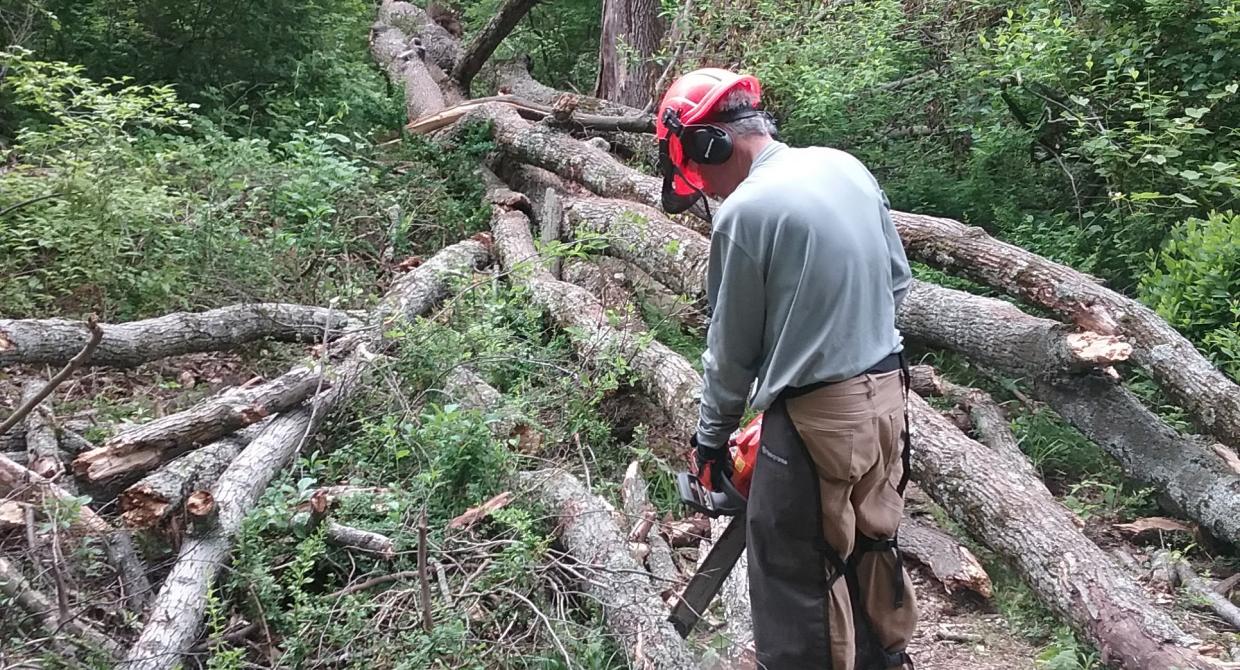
(806, 273)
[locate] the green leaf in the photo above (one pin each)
(1197, 112)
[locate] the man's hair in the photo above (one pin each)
(758, 124)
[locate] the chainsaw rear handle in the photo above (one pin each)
(725, 502)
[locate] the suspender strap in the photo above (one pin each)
(907, 456)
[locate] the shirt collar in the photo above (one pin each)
(768, 152)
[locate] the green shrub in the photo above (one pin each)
(1194, 283)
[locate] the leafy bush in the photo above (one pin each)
(1194, 283)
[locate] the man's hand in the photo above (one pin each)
(716, 457)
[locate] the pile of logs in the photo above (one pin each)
(205, 467)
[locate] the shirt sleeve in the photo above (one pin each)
(736, 295)
(901, 275)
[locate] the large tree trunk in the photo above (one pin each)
(1187, 377)
(631, 36)
(177, 613)
(415, 52)
(1014, 514)
(630, 603)
(55, 341)
(150, 444)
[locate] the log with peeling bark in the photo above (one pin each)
(43, 610)
(146, 446)
(640, 512)
(665, 375)
(42, 445)
(1015, 515)
(155, 497)
(951, 563)
(1179, 368)
(55, 341)
(612, 294)
(177, 612)
(20, 484)
(631, 604)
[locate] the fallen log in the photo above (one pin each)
(397, 45)
(999, 335)
(150, 444)
(20, 484)
(1181, 371)
(177, 613)
(40, 607)
(42, 446)
(1015, 515)
(442, 49)
(124, 345)
(631, 605)
(348, 537)
(640, 513)
(152, 499)
(672, 254)
(952, 564)
(1198, 589)
(613, 296)
(1185, 469)
(665, 375)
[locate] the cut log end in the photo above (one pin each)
(142, 506)
(1098, 350)
(201, 505)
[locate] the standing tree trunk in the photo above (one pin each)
(632, 33)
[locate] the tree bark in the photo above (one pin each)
(1182, 372)
(513, 76)
(150, 444)
(949, 561)
(177, 612)
(640, 516)
(442, 49)
(484, 43)
(613, 296)
(157, 496)
(1014, 514)
(42, 446)
(1201, 592)
(631, 605)
(665, 375)
(124, 345)
(415, 52)
(367, 541)
(632, 32)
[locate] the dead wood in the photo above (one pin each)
(151, 500)
(1179, 368)
(1177, 570)
(665, 375)
(150, 444)
(999, 335)
(47, 614)
(987, 422)
(443, 50)
(1014, 514)
(399, 42)
(613, 296)
(176, 615)
(125, 345)
(366, 541)
(32, 400)
(42, 446)
(484, 43)
(513, 77)
(20, 484)
(641, 516)
(951, 563)
(631, 605)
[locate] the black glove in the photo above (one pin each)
(717, 457)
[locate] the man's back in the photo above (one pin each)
(825, 268)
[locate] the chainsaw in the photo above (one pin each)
(717, 496)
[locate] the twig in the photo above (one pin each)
(96, 334)
(423, 578)
(28, 201)
(374, 581)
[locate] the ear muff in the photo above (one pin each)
(705, 144)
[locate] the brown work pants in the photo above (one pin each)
(824, 488)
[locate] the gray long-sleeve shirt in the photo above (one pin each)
(806, 273)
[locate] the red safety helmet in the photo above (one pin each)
(685, 138)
